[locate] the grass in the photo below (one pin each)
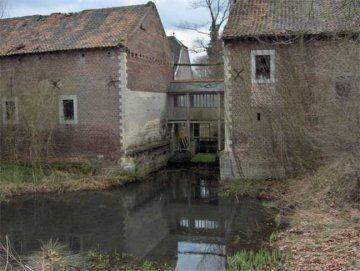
(268, 204)
(204, 158)
(318, 217)
(54, 256)
(251, 261)
(266, 190)
(19, 179)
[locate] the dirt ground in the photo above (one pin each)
(321, 235)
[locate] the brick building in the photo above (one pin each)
(97, 79)
(307, 50)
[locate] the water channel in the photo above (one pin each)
(175, 216)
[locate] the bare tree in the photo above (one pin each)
(2, 8)
(218, 11)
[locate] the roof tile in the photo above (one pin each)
(57, 32)
(249, 18)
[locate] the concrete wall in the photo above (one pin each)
(143, 113)
(91, 75)
(326, 61)
(183, 72)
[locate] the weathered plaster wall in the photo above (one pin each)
(326, 60)
(143, 113)
(91, 75)
(183, 72)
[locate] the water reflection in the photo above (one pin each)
(175, 217)
(201, 256)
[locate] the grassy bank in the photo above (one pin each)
(55, 256)
(16, 179)
(319, 217)
(248, 260)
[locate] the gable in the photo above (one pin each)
(58, 32)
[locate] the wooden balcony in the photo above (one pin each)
(196, 101)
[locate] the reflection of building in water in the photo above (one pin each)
(197, 227)
(178, 217)
(199, 224)
(130, 220)
(204, 190)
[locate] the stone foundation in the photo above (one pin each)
(146, 159)
(228, 167)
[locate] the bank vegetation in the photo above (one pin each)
(17, 179)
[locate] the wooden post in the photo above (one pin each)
(188, 121)
(173, 139)
(219, 123)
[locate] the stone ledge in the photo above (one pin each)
(147, 147)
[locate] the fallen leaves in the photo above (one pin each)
(320, 240)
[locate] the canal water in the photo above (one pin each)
(175, 216)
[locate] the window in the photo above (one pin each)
(196, 130)
(259, 116)
(262, 66)
(68, 109)
(343, 86)
(10, 110)
(180, 101)
(204, 100)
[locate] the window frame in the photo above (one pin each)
(178, 101)
(254, 54)
(61, 109)
(204, 100)
(4, 100)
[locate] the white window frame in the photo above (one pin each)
(61, 109)
(272, 55)
(4, 100)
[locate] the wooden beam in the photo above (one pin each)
(199, 65)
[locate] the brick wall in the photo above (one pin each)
(326, 61)
(121, 96)
(150, 61)
(91, 75)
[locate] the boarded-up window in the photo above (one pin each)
(205, 130)
(343, 86)
(10, 110)
(204, 100)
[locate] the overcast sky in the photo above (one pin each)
(172, 12)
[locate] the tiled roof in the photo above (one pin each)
(251, 18)
(58, 32)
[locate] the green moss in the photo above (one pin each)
(268, 204)
(204, 158)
